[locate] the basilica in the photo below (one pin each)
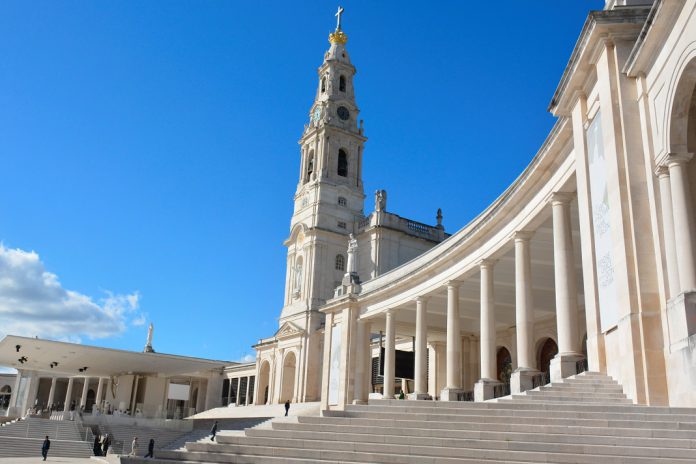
(586, 263)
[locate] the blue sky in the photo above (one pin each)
(149, 149)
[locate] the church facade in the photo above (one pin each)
(587, 261)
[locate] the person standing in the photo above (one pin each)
(214, 431)
(151, 449)
(72, 410)
(44, 448)
(287, 407)
(134, 447)
(96, 447)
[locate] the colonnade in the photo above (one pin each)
(563, 365)
(678, 225)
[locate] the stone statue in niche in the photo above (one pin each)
(381, 200)
(297, 287)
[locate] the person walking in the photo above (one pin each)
(72, 410)
(105, 444)
(151, 449)
(44, 448)
(134, 447)
(213, 431)
(287, 407)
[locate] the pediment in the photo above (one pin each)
(288, 329)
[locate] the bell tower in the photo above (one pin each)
(328, 201)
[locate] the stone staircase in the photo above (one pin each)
(24, 439)
(584, 419)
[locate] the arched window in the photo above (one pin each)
(310, 166)
(340, 263)
(342, 84)
(342, 163)
(342, 201)
(323, 84)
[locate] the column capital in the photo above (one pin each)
(558, 198)
(523, 235)
(678, 158)
(661, 170)
(453, 283)
(421, 299)
(487, 263)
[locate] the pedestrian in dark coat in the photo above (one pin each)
(213, 431)
(151, 449)
(96, 447)
(44, 448)
(287, 407)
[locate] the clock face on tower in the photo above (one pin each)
(343, 113)
(317, 114)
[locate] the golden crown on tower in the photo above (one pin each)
(338, 37)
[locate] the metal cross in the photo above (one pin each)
(338, 15)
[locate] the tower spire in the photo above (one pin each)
(338, 36)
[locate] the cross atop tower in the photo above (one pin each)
(338, 16)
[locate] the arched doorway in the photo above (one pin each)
(264, 374)
(504, 364)
(287, 390)
(548, 350)
(5, 395)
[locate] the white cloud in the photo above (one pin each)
(7, 370)
(247, 358)
(33, 303)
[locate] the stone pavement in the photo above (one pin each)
(39, 459)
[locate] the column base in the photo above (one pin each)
(359, 402)
(564, 365)
(681, 319)
(522, 380)
(450, 394)
(484, 389)
(419, 396)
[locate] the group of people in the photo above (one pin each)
(101, 444)
(150, 448)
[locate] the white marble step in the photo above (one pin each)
(417, 437)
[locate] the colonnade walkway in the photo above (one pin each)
(583, 419)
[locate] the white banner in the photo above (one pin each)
(601, 222)
(335, 366)
(178, 392)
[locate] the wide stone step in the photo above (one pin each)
(559, 398)
(426, 429)
(417, 437)
(576, 394)
(348, 442)
(462, 414)
(445, 413)
(514, 405)
(399, 420)
(30, 447)
(416, 454)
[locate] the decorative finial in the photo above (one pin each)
(439, 217)
(338, 37)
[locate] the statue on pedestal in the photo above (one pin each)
(148, 345)
(381, 200)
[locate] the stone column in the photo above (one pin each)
(85, 387)
(563, 365)
(684, 230)
(100, 389)
(360, 393)
(483, 390)
(68, 395)
(389, 355)
(52, 392)
(673, 285)
(454, 345)
(421, 374)
(521, 379)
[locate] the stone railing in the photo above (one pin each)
(408, 226)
